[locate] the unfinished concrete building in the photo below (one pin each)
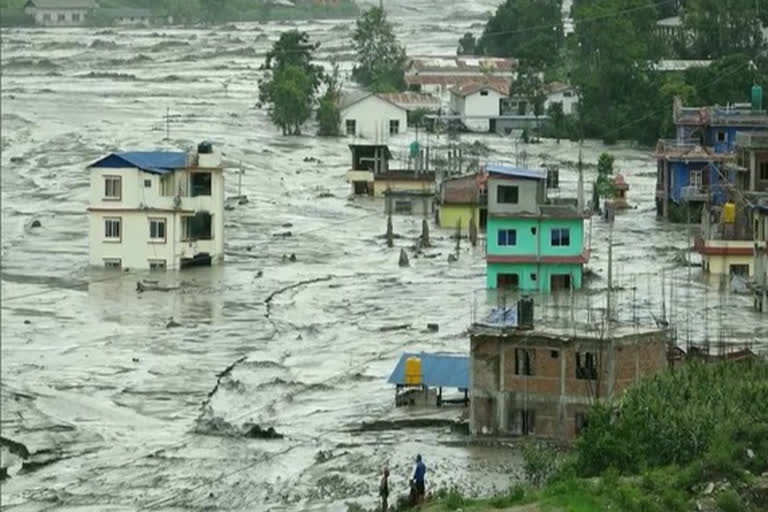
(542, 382)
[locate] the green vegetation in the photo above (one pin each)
(380, 58)
(605, 184)
(291, 81)
(329, 111)
(696, 434)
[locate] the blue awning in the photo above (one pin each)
(437, 370)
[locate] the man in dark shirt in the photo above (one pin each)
(418, 479)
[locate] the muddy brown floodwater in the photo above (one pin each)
(118, 412)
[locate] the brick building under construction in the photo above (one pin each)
(543, 381)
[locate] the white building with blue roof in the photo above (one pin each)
(157, 210)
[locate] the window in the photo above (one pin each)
(112, 263)
(561, 237)
(696, 179)
(483, 92)
(524, 361)
(553, 178)
(720, 136)
(156, 264)
(580, 422)
(560, 282)
(507, 281)
(46, 17)
(200, 184)
(394, 127)
(523, 422)
(76, 16)
(586, 365)
(568, 94)
(554, 354)
(507, 237)
(739, 270)
(506, 194)
(62, 17)
(533, 276)
(113, 187)
(403, 206)
(198, 226)
(763, 171)
(157, 230)
(533, 230)
(351, 127)
(147, 183)
(112, 231)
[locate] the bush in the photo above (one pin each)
(454, 499)
(538, 464)
(678, 418)
(729, 501)
(15, 18)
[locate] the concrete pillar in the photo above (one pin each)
(665, 189)
(752, 170)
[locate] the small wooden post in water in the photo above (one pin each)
(458, 237)
(472, 229)
(390, 234)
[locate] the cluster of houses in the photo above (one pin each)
(470, 91)
(716, 171)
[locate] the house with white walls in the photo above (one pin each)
(437, 75)
(157, 210)
(478, 103)
(59, 12)
(372, 116)
(558, 92)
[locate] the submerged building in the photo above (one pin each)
(371, 172)
(157, 210)
(697, 166)
(531, 245)
(544, 380)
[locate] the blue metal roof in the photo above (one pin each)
(157, 162)
(516, 172)
(437, 370)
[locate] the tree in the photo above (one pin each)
(290, 99)
(605, 185)
(529, 86)
(615, 51)
(467, 45)
(556, 115)
(380, 58)
(290, 82)
(724, 28)
(520, 29)
(329, 112)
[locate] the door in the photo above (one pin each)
(507, 281)
(483, 219)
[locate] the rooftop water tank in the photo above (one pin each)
(413, 371)
(729, 213)
(205, 147)
(757, 98)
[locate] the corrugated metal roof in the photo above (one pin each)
(516, 172)
(437, 370)
(410, 99)
(462, 63)
(500, 86)
(157, 162)
(462, 190)
(350, 98)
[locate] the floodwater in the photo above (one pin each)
(121, 412)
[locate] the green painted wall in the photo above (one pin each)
(527, 241)
(543, 274)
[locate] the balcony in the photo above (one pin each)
(693, 194)
(688, 149)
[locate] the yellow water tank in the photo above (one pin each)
(413, 371)
(729, 213)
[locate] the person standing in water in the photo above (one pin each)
(418, 479)
(384, 490)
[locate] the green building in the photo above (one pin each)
(532, 245)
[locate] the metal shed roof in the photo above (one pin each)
(516, 172)
(156, 162)
(437, 370)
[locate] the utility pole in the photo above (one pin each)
(609, 308)
(580, 193)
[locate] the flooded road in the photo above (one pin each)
(123, 413)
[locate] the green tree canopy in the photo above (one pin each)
(605, 185)
(467, 45)
(380, 58)
(295, 49)
(724, 27)
(329, 111)
(528, 30)
(290, 99)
